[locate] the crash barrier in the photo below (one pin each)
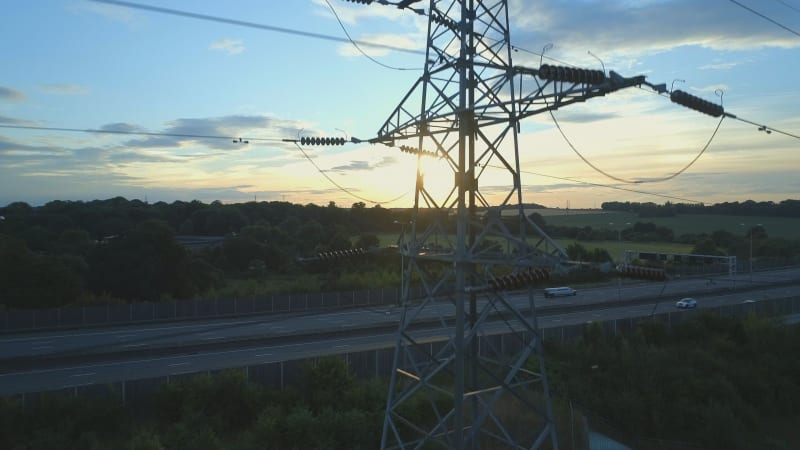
(73, 317)
(378, 362)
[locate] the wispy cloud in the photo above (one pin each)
(14, 121)
(9, 94)
(64, 89)
(358, 166)
(229, 46)
(121, 127)
(631, 29)
(719, 66)
(112, 12)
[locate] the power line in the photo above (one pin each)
(259, 26)
(766, 128)
(788, 5)
(542, 55)
(355, 44)
(342, 188)
(607, 186)
(766, 18)
(242, 140)
(614, 177)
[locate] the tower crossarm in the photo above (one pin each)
(547, 93)
(541, 90)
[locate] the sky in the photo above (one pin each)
(84, 65)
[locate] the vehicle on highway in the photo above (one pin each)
(749, 301)
(559, 292)
(686, 303)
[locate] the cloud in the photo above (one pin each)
(121, 127)
(12, 95)
(585, 116)
(628, 30)
(64, 89)
(216, 131)
(14, 121)
(353, 166)
(229, 46)
(358, 166)
(115, 13)
(719, 66)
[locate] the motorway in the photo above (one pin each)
(31, 362)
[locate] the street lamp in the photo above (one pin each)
(751, 248)
(401, 247)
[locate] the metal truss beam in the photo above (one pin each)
(472, 392)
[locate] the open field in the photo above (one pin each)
(683, 224)
(616, 249)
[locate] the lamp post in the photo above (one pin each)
(401, 247)
(750, 259)
(619, 238)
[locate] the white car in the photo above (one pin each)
(559, 292)
(686, 303)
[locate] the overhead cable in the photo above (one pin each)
(236, 139)
(243, 23)
(342, 188)
(358, 47)
(620, 179)
(774, 22)
(607, 186)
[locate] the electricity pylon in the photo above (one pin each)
(485, 386)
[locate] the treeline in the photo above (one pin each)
(717, 382)
(785, 208)
(755, 242)
(119, 250)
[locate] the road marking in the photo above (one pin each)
(212, 338)
(83, 374)
(178, 364)
(341, 346)
(42, 343)
(125, 336)
(134, 345)
(263, 354)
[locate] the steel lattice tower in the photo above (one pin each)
(484, 386)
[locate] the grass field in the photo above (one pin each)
(775, 226)
(614, 248)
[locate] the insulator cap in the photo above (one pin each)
(518, 279)
(443, 20)
(322, 141)
(338, 254)
(571, 74)
(642, 273)
(416, 151)
(696, 103)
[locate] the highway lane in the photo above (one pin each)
(146, 336)
(139, 367)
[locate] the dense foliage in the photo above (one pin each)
(716, 381)
(118, 250)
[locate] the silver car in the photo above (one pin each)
(686, 303)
